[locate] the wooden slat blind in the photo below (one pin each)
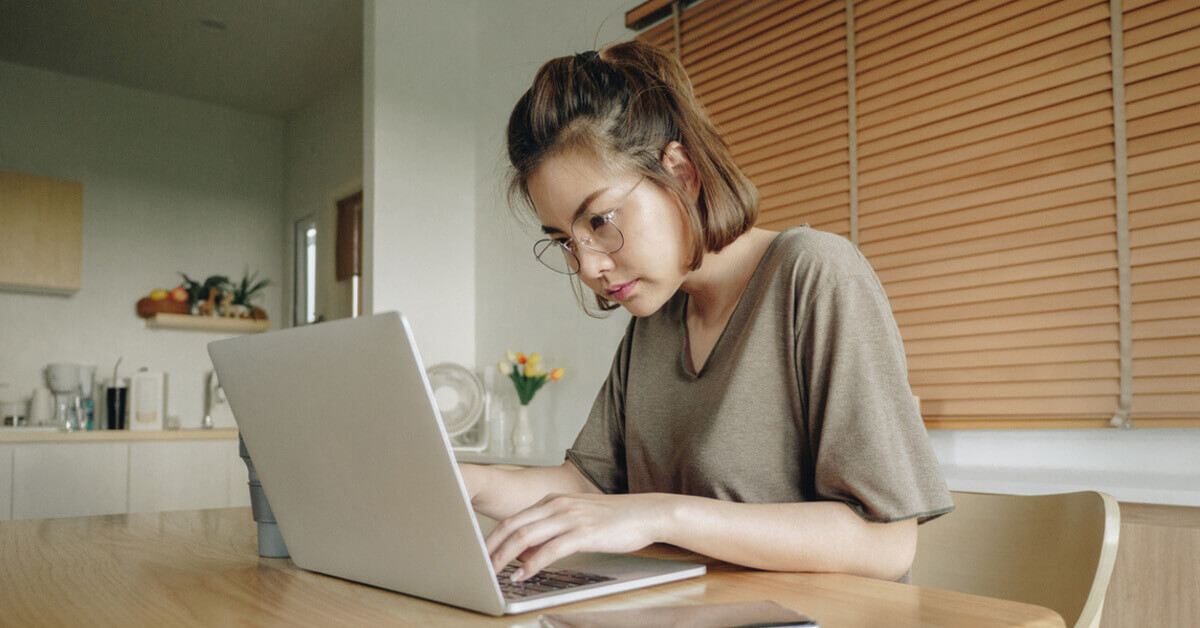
(1011, 262)
(1162, 92)
(987, 184)
(772, 75)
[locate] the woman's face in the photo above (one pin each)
(650, 266)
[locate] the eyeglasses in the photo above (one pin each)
(597, 232)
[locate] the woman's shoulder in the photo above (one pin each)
(816, 254)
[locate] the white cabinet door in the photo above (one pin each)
(181, 475)
(69, 479)
(6, 464)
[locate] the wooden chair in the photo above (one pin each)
(1056, 551)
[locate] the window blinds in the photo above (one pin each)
(986, 198)
(1162, 94)
(987, 204)
(772, 76)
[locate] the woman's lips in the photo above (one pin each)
(622, 291)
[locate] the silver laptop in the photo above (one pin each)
(346, 437)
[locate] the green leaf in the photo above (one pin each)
(193, 288)
(527, 387)
(537, 384)
(522, 386)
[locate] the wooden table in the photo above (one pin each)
(202, 568)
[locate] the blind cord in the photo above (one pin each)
(1123, 417)
(675, 11)
(852, 114)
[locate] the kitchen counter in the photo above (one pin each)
(35, 435)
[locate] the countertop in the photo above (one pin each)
(35, 435)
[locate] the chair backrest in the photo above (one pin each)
(1055, 551)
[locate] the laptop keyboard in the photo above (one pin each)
(544, 581)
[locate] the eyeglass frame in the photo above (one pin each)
(607, 214)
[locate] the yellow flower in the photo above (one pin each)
(534, 370)
(505, 368)
(509, 355)
(535, 358)
(557, 374)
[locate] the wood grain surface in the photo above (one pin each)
(201, 568)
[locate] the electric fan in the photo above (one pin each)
(462, 402)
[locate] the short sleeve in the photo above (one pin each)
(867, 442)
(599, 449)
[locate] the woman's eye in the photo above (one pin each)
(597, 221)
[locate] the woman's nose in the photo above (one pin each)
(592, 263)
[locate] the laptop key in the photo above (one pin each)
(544, 581)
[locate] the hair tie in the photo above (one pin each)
(589, 55)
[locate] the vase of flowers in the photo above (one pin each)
(528, 375)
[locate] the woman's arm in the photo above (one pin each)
(822, 536)
(807, 536)
(501, 493)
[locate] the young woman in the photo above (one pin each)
(757, 410)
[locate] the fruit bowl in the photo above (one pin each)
(147, 307)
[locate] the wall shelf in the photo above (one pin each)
(207, 323)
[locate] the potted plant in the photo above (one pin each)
(244, 294)
(201, 295)
(528, 376)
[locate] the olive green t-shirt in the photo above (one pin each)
(804, 397)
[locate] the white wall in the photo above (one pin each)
(324, 162)
(421, 74)
(441, 81)
(522, 305)
(168, 185)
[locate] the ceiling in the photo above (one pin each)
(261, 56)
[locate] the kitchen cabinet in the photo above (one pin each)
(5, 482)
(88, 475)
(41, 233)
(68, 480)
(184, 475)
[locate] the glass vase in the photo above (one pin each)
(522, 434)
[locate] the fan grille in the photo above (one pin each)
(460, 389)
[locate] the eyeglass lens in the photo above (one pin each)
(597, 232)
(594, 231)
(556, 257)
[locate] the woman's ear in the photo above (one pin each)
(678, 162)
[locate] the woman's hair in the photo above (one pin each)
(623, 106)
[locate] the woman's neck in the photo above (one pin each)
(714, 288)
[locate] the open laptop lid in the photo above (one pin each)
(338, 419)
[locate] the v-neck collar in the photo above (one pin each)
(685, 354)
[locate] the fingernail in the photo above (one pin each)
(517, 575)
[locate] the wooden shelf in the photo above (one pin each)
(207, 323)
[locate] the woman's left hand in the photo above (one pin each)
(561, 525)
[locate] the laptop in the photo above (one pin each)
(347, 440)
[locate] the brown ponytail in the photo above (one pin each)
(623, 106)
